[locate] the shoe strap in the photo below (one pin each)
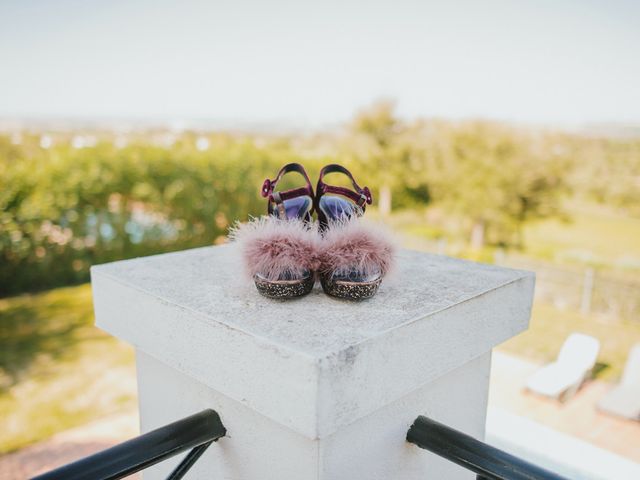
(361, 196)
(278, 198)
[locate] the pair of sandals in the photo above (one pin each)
(284, 251)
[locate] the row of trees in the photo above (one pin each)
(63, 209)
(493, 177)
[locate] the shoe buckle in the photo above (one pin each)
(266, 188)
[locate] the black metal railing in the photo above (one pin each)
(487, 461)
(196, 432)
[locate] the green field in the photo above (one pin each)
(595, 235)
(57, 370)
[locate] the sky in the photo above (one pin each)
(315, 63)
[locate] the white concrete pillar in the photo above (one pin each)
(314, 388)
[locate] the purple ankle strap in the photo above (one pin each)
(277, 198)
(361, 196)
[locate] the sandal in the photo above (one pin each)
(280, 250)
(355, 255)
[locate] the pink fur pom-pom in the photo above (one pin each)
(276, 248)
(356, 245)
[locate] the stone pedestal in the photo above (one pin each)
(314, 388)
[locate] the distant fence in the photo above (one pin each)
(583, 289)
(587, 290)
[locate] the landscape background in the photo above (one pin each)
(498, 131)
(565, 204)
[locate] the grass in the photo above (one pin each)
(57, 370)
(595, 235)
(550, 326)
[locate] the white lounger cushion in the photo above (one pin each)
(624, 400)
(631, 374)
(554, 379)
(576, 359)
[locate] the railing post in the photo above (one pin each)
(314, 388)
(195, 432)
(487, 461)
(587, 291)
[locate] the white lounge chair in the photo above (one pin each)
(624, 399)
(562, 378)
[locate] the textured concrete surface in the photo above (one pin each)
(313, 364)
(205, 281)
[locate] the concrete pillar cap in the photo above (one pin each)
(314, 364)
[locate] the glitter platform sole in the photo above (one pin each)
(283, 289)
(354, 291)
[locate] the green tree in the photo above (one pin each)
(64, 209)
(497, 178)
(378, 130)
(609, 171)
